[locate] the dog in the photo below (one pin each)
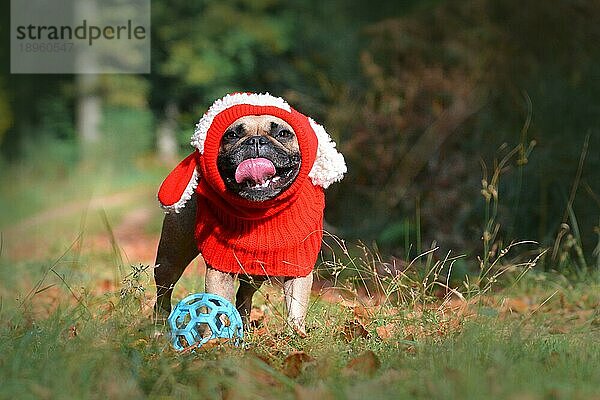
(250, 199)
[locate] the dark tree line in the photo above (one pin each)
(418, 94)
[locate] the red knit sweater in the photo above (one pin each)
(284, 244)
(277, 237)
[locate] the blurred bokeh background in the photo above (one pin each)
(465, 124)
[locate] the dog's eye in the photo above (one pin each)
(231, 135)
(283, 134)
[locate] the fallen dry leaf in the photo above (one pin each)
(409, 337)
(414, 331)
(353, 330)
(458, 308)
(294, 362)
(261, 331)
(519, 306)
(363, 314)
(366, 363)
(558, 330)
(263, 376)
(347, 302)
(210, 345)
(256, 316)
(106, 286)
(262, 357)
(387, 331)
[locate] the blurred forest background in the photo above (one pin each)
(425, 98)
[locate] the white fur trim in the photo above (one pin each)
(262, 99)
(329, 166)
(185, 196)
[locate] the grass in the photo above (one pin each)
(65, 338)
(104, 351)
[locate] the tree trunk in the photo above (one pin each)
(89, 109)
(89, 106)
(166, 141)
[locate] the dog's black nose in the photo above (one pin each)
(256, 141)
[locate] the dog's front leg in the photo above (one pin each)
(243, 301)
(219, 283)
(297, 296)
(176, 249)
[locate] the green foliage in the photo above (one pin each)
(36, 107)
(214, 47)
(452, 83)
(415, 92)
(125, 135)
(125, 91)
(50, 149)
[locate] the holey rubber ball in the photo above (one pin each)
(201, 317)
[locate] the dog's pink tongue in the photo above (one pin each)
(258, 170)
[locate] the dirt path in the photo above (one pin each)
(28, 239)
(75, 207)
(138, 246)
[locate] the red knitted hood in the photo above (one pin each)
(281, 236)
(213, 185)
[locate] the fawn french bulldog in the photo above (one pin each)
(250, 200)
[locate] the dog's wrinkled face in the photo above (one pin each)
(259, 157)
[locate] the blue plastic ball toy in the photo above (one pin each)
(201, 317)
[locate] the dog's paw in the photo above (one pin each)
(160, 317)
(298, 329)
(157, 334)
(300, 332)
